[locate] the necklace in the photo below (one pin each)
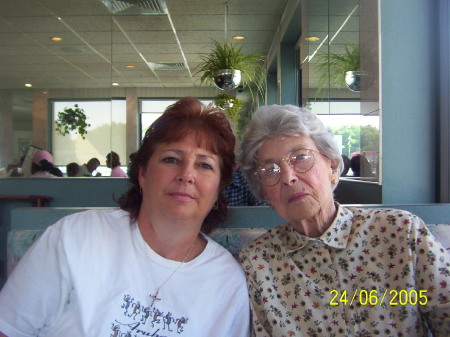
(155, 296)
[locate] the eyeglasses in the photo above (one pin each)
(301, 161)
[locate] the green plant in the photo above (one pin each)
(229, 56)
(72, 119)
(333, 66)
(231, 105)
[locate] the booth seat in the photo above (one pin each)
(243, 225)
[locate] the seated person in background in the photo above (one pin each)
(331, 270)
(147, 269)
(238, 193)
(13, 169)
(360, 166)
(346, 163)
(72, 169)
(87, 169)
(5, 172)
(56, 171)
(113, 162)
(42, 166)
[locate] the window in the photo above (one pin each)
(107, 132)
(356, 135)
(151, 109)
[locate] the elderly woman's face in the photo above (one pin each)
(298, 196)
(181, 181)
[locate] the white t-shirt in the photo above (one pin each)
(92, 274)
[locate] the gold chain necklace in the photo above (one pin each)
(155, 296)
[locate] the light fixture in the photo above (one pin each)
(312, 38)
(130, 66)
(115, 83)
(28, 85)
(56, 38)
(238, 37)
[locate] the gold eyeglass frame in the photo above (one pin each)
(288, 160)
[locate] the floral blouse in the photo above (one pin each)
(374, 272)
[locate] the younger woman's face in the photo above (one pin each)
(181, 181)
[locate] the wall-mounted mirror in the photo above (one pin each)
(339, 61)
(107, 51)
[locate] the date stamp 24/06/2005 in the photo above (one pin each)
(374, 297)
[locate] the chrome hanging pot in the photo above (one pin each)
(353, 80)
(227, 79)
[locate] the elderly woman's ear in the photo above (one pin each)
(334, 164)
(334, 175)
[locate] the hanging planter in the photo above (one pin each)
(353, 80)
(340, 69)
(227, 79)
(227, 67)
(230, 105)
(72, 119)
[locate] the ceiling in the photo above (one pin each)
(97, 46)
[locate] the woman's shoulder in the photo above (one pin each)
(107, 212)
(215, 248)
(268, 239)
(118, 172)
(380, 213)
(94, 220)
(217, 252)
(386, 219)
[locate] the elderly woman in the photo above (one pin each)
(147, 269)
(331, 270)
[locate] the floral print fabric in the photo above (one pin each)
(293, 279)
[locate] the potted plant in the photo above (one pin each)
(227, 67)
(340, 69)
(72, 119)
(230, 105)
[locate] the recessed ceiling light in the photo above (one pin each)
(56, 38)
(28, 85)
(238, 37)
(312, 38)
(130, 66)
(115, 83)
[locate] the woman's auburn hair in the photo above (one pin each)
(212, 131)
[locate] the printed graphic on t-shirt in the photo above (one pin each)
(140, 320)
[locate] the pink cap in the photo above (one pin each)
(40, 155)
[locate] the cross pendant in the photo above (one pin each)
(155, 298)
